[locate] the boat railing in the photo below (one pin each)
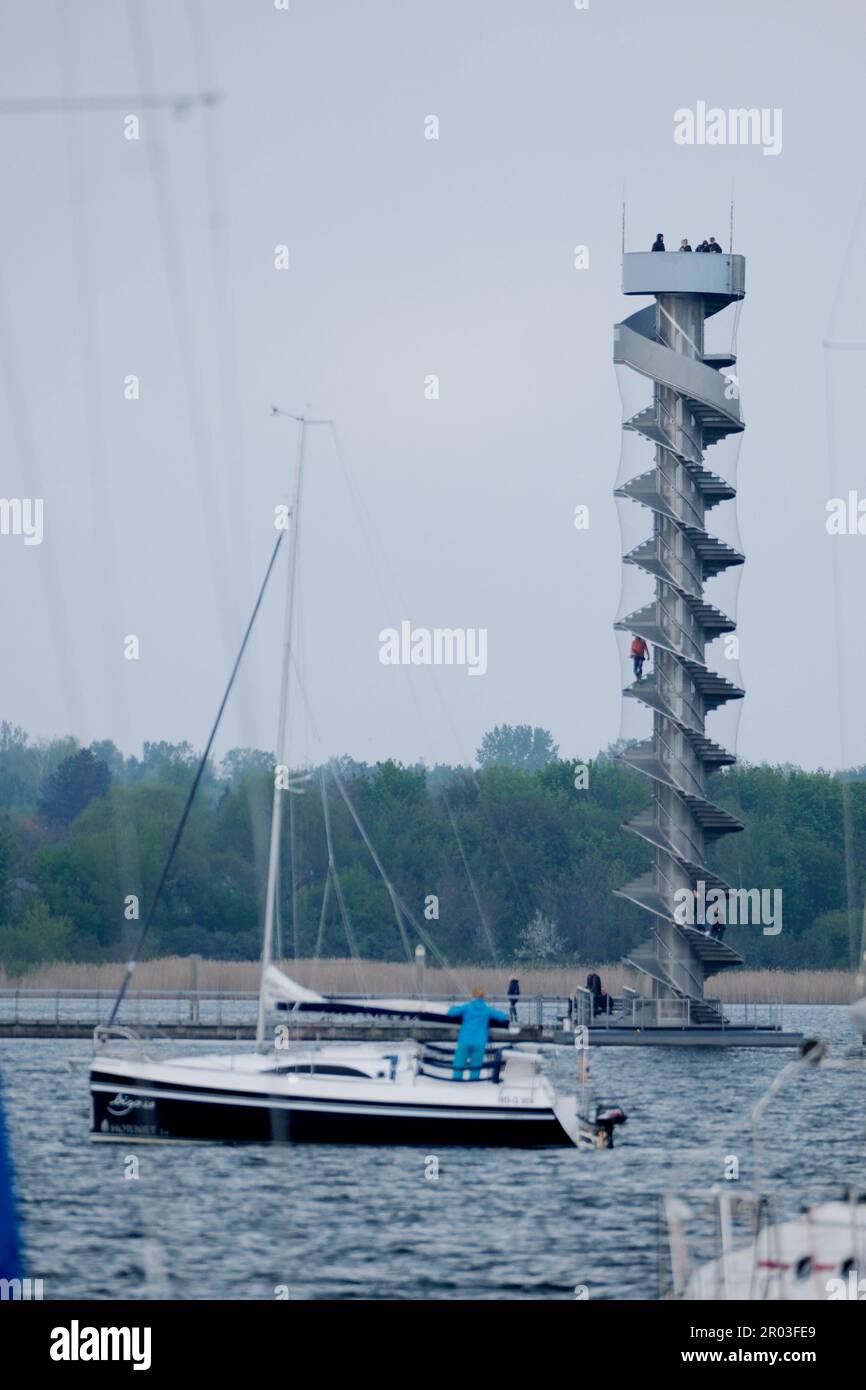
(438, 1061)
(702, 1232)
(117, 1040)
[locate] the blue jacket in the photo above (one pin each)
(477, 1017)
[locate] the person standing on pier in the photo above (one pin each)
(513, 996)
(476, 1018)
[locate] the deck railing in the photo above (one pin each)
(639, 1011)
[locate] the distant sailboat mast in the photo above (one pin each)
(282, 722)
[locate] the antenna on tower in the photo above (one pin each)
(623, 221)
(731, 234)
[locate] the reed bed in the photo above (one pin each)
(172, 973)
(785, 987)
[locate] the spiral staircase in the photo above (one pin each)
(694, 406)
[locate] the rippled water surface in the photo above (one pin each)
(212, 1221)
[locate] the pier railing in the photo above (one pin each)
(637, 1011)
(218, 1012)
(224, 1008)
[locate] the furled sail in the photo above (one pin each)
(282, 992)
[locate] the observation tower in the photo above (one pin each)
(694, 406)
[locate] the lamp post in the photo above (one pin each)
(420, 961)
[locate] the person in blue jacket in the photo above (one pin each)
(476, 1017)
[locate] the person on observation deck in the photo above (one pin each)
(476, 1018)
(702, 246)
(659, 243)
(639, 654)
(713, 245)
(601, 1001)
(684, 244)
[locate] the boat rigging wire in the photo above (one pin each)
(401, 910)
(377, 551)
(334, 877)
(169, 859)
(392, 893)
(491, 940)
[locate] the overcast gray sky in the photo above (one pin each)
(408, 257)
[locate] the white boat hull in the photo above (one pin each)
(329, 1095)
(814, 1257)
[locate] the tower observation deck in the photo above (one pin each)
(694, 406)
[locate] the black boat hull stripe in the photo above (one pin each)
(264, 1100)
(164, 1116)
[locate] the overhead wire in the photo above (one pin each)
(177, 282)
(832, 343)
(126, 843)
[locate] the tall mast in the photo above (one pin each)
(282, 729)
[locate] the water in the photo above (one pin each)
(213, 1221)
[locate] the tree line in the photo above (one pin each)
(505, 862)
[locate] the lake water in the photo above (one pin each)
(211, 1221)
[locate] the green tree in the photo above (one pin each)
(517, 745)
(19, 769)
(38, 939)
(5, 867)
(107, 752)
(239, 761)
(70, 790)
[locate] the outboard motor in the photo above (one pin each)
(607, 1117)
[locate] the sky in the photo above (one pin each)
(409, 258)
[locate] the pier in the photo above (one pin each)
(230, 1015)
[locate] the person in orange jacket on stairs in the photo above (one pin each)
(639, 654)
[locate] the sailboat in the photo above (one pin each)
(370, 1093)
(819, 1254)
(375, 1093)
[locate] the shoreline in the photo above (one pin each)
(384, 977)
